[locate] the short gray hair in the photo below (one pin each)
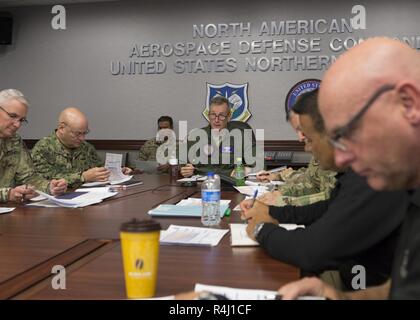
(13, 94)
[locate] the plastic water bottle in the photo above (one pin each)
(210, 198)
(239, 173)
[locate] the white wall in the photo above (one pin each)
(56, 69)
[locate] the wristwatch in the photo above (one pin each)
(257, 229)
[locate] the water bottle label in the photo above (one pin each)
(210, 195)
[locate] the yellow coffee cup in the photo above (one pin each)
(140, 251)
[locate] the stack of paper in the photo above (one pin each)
(77, 199)
(184, 235)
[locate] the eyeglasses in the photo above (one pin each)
(77, 134)
(14, 117)
(346, 130)
(221, 116)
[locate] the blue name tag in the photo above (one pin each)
(227, 149)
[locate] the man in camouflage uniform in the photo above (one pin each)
(18, 178)
(66, 154)
(221, 140)
(150, 150)
(304, 186)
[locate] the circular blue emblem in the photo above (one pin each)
(299, 88)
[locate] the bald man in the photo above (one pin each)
(370, 102)
(18, 178)
(66, 154)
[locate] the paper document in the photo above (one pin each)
(193, 179)
(239, 237)
(185, 235)
(113, 162)
(249, 190)
(77, 199)
(245, 294)
(6, 210)
(254, 174)
(237, 294)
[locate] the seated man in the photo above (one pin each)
(18, 177)
(66, 154)
(150, 147)
(355, 225)
(306, 185)
(218, 152)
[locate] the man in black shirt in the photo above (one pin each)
(355, 223)
(370, 102)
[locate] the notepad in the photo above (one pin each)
(185, 235)
(239, 237)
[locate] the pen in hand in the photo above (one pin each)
(254, 197)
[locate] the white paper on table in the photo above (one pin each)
(245, 294)
(250, 190)
(240, 238)
(193, 179)
(253, 174)
(38, 198)
(185, 235)
(83, 200)
(237, 294)
(198, 202)
(6, 210)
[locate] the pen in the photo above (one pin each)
(254, 197)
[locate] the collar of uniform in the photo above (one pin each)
(9, 143)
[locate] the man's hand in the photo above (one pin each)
(96, 174)
(58, 187)
(22, 193)
(187, 170)
(248, 210)
(127, 171)
(309, 287)
(270, 198)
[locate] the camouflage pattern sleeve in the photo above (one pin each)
(26, 174)
(313, 180)
(148, 151)
(94, 158)
(47, 164)
(302, 200)
(4, 194)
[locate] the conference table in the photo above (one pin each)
(85, 241)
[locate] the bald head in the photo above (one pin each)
(382, 144)
(73, 116)
(72, 127)
(355, 76)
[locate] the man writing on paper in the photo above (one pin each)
(370, 102)
(18, 178)
(356, 225)
(219, 142)
(306, 185)
(66, 154)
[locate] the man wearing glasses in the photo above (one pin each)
(219, 143)
(18, 178)
(370, 102)
(66, 154)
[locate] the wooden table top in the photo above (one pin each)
(85, 240)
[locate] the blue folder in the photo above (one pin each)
(171, 210)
